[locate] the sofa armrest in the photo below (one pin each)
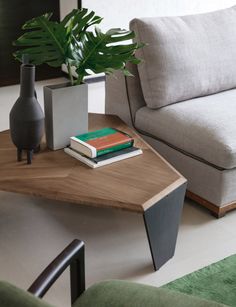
(124, 95)
(73, 256)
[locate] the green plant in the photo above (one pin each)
(71, 43)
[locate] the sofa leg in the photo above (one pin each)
(218, 214)
(162, 224)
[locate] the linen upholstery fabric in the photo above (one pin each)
(117, 94)
(127, 294)
(10, 296)
(204, 127)
(187, 56)
(216, 186)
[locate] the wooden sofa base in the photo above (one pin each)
(216, 211)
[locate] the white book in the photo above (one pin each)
(106, 159)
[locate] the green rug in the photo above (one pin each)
(216, 282)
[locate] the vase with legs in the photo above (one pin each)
(26, 116)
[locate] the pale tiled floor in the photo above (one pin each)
(33, 231)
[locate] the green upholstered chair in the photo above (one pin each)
(112, 293)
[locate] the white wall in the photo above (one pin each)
(118, 13)
(66, 6)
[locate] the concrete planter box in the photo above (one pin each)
(66, 113)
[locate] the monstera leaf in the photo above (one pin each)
(45, 43)
(101, 52)
(78, 21)
(70, 42)
(49, 41)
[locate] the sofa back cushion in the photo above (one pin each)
(187, 56)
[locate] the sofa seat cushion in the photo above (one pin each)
(203, 127)
(186, 57)
(119, 293)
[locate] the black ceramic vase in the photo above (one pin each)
(26, 116)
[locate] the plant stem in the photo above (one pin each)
(80, 79)
(70, 74)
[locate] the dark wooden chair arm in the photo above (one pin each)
(73, 256)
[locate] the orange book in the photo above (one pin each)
(100, 142)
(110, 140)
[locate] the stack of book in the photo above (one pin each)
(102, 147)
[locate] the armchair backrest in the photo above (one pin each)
(11, 296)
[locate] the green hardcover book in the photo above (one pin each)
(101, 142)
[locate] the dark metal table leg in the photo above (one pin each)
(162, 224)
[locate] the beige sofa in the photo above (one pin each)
(182, 99)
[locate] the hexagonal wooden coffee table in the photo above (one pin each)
(145, 184)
